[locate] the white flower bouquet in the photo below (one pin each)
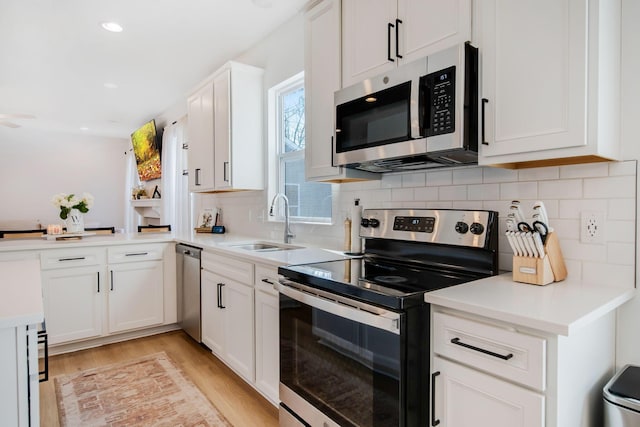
(66, 202)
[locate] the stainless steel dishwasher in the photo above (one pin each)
(188, 282)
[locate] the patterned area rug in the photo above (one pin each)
(150, 391)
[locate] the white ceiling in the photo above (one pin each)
(55, 58)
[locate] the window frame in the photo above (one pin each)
(277, 158)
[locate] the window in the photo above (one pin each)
(308, 201)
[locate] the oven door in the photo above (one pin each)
(340, 362)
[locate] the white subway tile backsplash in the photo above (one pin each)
(493, 175)
(623, 209)
(391, 181)
(519, 191)
(402, 194)
(567, 191)
(425, 193)
(467, 176)
(562, 189)
(589, 170)
(604, 274)
(415, 179)
(439, 178)
(567, 229)
(610, 187)
(620, 231)
(621, 253)
(483, 191)
(573, 208)
(623, 168)
(538, 174)
(453, 192)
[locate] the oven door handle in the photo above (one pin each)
(343, 307)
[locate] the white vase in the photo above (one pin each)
(75, 221)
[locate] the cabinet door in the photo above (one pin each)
(212, 315)
(368, 42)
(200, 127)
(135, 295)
(427, 26)
(468, 398)
(321, 79)
(222, 129)
(267, 334)
(73, 301)
(533, 75)
(237, 300)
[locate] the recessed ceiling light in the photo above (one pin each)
(110, 85)
(84, 128)
(114, 27)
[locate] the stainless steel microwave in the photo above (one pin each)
(423, 114)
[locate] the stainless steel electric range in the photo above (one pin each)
(354, 334)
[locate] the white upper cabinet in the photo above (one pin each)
(200, 137)
(225, 131)
(550, 81)
(239, 160)
(321, 79)
(378, 35)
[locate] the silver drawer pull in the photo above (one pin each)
(137, 254)
(457, 341)
(72, 259)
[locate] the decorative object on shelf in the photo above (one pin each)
(156, 193)
(53, 229)
(139, 192)
(72, 209)
(206, 218)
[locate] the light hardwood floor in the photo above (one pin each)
(239, 402)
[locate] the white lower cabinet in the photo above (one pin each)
(227, 312)
(267, 332)
(465, 397)
(135, 295)
(93, 292)
(74, 287)
(487, 372)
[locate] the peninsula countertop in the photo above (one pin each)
(21, 291)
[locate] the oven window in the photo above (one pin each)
(380, 118)
(348, 370)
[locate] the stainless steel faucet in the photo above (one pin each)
(288, 235)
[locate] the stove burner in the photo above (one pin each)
(392, 280)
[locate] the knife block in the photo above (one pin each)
(541, 271)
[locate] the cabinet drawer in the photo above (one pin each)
(266, 278)
(134, 253)
(72, 257)
(232, 268)
(499, 351)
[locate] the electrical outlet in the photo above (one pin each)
(592, 227)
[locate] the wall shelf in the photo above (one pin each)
(147, 208)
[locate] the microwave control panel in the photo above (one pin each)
(440, 89)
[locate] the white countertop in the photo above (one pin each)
(558, 308)
(21, 290)
(8, 245)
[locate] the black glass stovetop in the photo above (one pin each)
(394, 285)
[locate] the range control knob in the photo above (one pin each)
(462, 227)
(364, 222)
(374, 223)
(477, 228)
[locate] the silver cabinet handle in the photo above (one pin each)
(111, 279)
(136, 254)
(78, 258)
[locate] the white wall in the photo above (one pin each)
(35, 165)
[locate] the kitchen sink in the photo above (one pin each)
(263, 247)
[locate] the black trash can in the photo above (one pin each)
(622, 398)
